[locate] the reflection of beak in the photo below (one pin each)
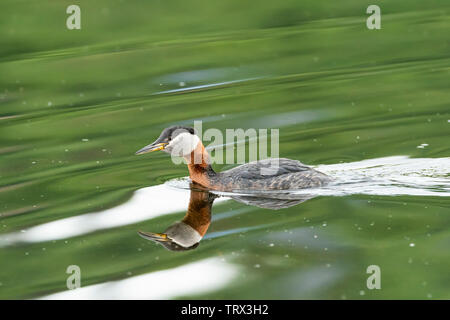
(158, 237)
(152, 147)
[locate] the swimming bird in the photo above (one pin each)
(268, 174)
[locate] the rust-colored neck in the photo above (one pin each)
(198, 165)
(198, 215)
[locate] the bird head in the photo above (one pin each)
(175, 140)
(178, 237)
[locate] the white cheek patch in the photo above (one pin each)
(183, 144)
(183, 234)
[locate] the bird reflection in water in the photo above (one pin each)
(186, 234)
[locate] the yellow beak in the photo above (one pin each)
(152, 147)
(160, 237)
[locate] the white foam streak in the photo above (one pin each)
(398, 175)
(146, 203)
(194, 278)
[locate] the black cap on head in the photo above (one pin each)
(171, 132)
(172, 246)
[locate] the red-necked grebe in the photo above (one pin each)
(268, 174)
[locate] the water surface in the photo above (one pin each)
(370, 108)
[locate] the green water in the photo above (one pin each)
(76, 104)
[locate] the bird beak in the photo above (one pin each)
(157, 237)
(155, 146)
